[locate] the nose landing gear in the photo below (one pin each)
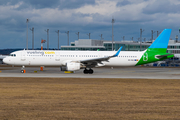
(23, 69)
(90, 71)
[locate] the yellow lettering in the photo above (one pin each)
(49, 52)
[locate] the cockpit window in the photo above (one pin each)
(13, 55)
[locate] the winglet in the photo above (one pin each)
(117, 53)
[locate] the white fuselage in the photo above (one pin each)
(60, 58)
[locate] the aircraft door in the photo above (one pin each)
(57, 56)
(100, 55)
(23, 55)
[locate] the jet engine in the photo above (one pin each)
(71, 67)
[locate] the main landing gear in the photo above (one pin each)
(23, 69)
(90, 71)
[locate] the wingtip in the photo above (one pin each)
(117, 53)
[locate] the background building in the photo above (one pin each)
(104, 45)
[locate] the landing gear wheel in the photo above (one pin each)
(85, 71)
(91, 71)
(22, 71)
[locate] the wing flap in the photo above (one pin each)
(96, 59)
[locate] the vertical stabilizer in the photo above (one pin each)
(162, 40)
(157, 50)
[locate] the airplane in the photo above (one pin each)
(1, 58)
(76, 60)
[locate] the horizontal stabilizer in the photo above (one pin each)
(161, 56)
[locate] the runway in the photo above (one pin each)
(104, 72)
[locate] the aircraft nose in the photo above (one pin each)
(5, 60)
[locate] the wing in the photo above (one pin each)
(93, 62)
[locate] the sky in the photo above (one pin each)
(84, 16)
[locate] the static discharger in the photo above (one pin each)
(68, 71)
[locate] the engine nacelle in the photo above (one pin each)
(71, 67)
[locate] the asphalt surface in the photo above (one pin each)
(104, 72)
